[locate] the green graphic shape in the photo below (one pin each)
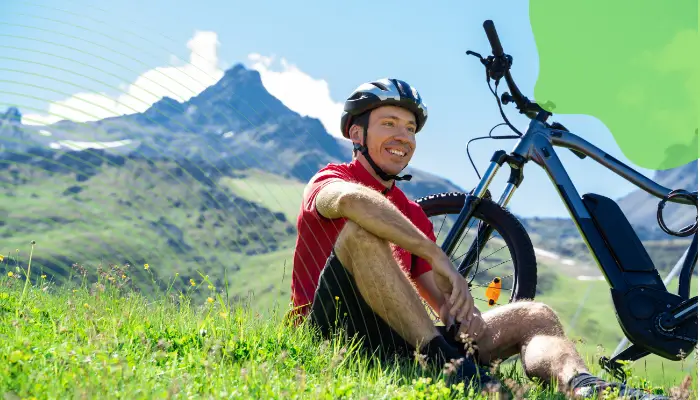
(631, 64)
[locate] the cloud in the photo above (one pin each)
(299, 91)
(293, 87)
(179, 82)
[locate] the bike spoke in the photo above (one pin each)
(465, 235)
(501, 263)
(441, 225)
(481, 258)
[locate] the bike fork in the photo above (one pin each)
(484, 231)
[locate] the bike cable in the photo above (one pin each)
(490, 135)
(688, 230)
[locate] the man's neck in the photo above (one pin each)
(365, 164)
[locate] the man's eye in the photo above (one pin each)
(389, 123)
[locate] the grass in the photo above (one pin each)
(87, 339)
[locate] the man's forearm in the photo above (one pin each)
(379, 216)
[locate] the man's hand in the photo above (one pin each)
(453, 286)
(474, 326)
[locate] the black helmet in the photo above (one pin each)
(382, 92)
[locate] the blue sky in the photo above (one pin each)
(55, 49)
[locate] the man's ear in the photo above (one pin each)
(356, 134)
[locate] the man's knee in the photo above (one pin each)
(543, 316)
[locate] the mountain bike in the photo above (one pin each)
(653, 319)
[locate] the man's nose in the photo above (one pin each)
(406, 136)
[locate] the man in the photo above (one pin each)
(365, 255)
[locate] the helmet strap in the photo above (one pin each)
(362, 148)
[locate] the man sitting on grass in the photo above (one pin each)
(365, 255)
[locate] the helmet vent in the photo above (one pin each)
(380, 85)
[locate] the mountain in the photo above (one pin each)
(234, 124)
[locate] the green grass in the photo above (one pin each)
(271, 191)
(88, 339)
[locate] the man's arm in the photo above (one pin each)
(379, 216)
(376, 214)
(429, 291)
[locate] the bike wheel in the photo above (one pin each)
(517, 270)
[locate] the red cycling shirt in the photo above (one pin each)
(317, 234)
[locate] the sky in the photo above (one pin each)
(81, 61)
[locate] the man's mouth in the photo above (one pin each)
(396, 152)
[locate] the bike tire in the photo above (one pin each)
(508, 227)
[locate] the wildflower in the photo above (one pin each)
(145, 266)
(451, 367)
(177, 274)
(86, 305)
(123, 276)
(211, 287)
(421, 358)
(43, 276)
(10, 274)
(210, 300)
(192, 282)
(337, 298)
(223, 314)
(1, 257)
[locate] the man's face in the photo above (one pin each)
(391, 137)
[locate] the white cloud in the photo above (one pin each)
(179, 82)
(296, 89)
(299, 91)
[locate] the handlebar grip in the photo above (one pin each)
(491, 34)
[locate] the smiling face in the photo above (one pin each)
(391, 138)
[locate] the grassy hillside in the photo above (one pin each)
(137, 213)
(88, 341)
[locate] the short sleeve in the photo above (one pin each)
(323, 178)
(420, 266)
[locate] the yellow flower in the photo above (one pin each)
(223, 314)
(123, 276)
(211, 287)
(192, 282)
(10, 274)
(177, 274)
(86, 305)
(43, 276)
(145, 266)
(209, 299)
(337, 298)
(1, 257)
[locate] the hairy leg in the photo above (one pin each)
(533, 330)
(383, 284)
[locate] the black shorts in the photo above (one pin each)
(355, 316)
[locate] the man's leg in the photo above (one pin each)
(533, 330)
(383, 284)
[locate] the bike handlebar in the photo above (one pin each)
(501, 67)
(492, 35)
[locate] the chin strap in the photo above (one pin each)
(365, 152)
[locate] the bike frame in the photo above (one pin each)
(537, 145)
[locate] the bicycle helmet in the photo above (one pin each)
(382, 92)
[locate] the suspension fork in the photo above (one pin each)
(516, 163)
